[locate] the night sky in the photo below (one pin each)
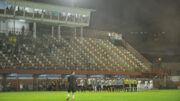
(127, 16)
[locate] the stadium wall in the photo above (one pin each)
(173, 69)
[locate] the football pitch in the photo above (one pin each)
(155, 95)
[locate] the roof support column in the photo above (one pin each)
(34, 30)
(52, 31)
(6, 31)
(24, 11)
(75, 32)
(81, 32)
(59, 32)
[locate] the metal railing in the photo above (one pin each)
(136, 53)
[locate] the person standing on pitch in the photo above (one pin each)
(150, 85)
(72, 86)
(135, 84)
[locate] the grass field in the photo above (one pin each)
(155, 95)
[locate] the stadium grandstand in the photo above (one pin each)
(41, 44)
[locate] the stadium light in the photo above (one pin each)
(22, 20)
(159, 59)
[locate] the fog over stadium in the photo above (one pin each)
(139, 21)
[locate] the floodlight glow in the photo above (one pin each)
(21, 20)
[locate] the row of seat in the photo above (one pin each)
(85, 54)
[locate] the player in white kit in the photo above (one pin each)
(146, 85)
(139, 85)
(151, 85)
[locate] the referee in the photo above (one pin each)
(72, 86)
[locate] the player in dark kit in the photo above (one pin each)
(72, 85)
